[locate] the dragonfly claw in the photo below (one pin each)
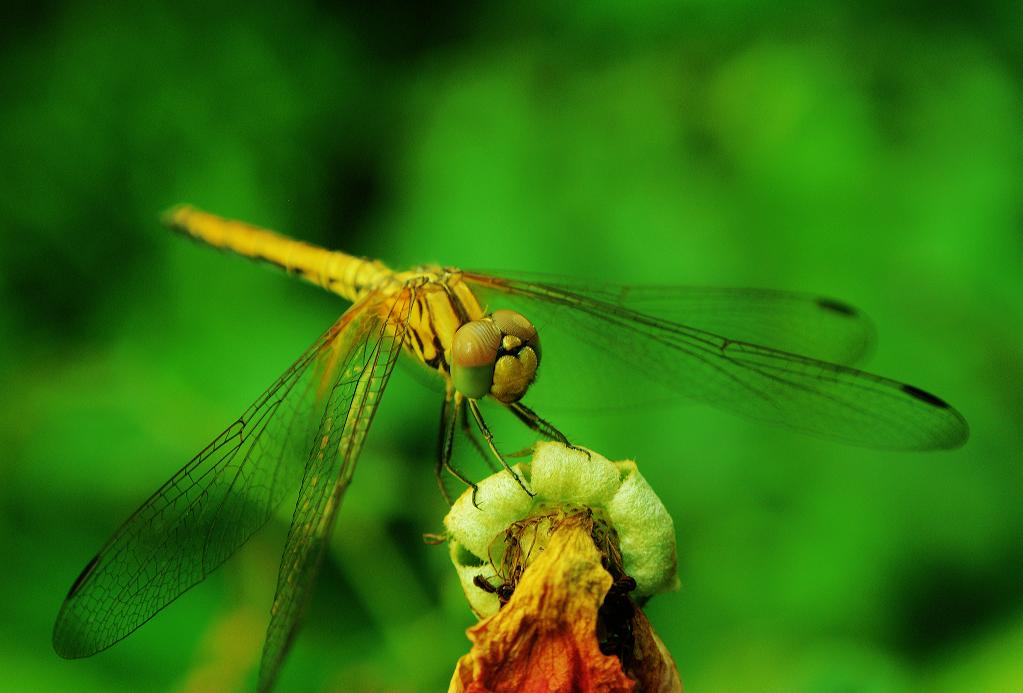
(576, 447)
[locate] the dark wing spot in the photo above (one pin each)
(86, 572)
(925, 396)
(836, 306)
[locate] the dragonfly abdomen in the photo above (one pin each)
(340, 273)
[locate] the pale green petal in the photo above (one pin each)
(645, 532)
(468, 567)
(567, 475)
(501, 502)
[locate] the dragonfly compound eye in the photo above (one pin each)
(497, 355)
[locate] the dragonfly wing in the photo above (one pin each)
(816, 326)
(353, 400)
(207, 509)
(760, 382)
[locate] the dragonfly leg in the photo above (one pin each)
(474, 408)
(444, 444)
(445, 447)
(471, 435)
(541, 426)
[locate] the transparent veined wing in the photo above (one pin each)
(614, 341)
(820, 327)
(212, 505)
(352, 402)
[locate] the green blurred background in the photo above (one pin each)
(841, 148)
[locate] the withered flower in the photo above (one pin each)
(558, 578)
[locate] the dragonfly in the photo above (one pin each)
(774, 356)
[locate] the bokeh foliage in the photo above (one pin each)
(843, 148)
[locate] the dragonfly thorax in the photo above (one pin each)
(497, 355)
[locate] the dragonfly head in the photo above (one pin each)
(497, 355)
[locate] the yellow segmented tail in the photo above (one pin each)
(343, 274)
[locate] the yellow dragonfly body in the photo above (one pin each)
(443, 302)
(775, 356)
(426, 307)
